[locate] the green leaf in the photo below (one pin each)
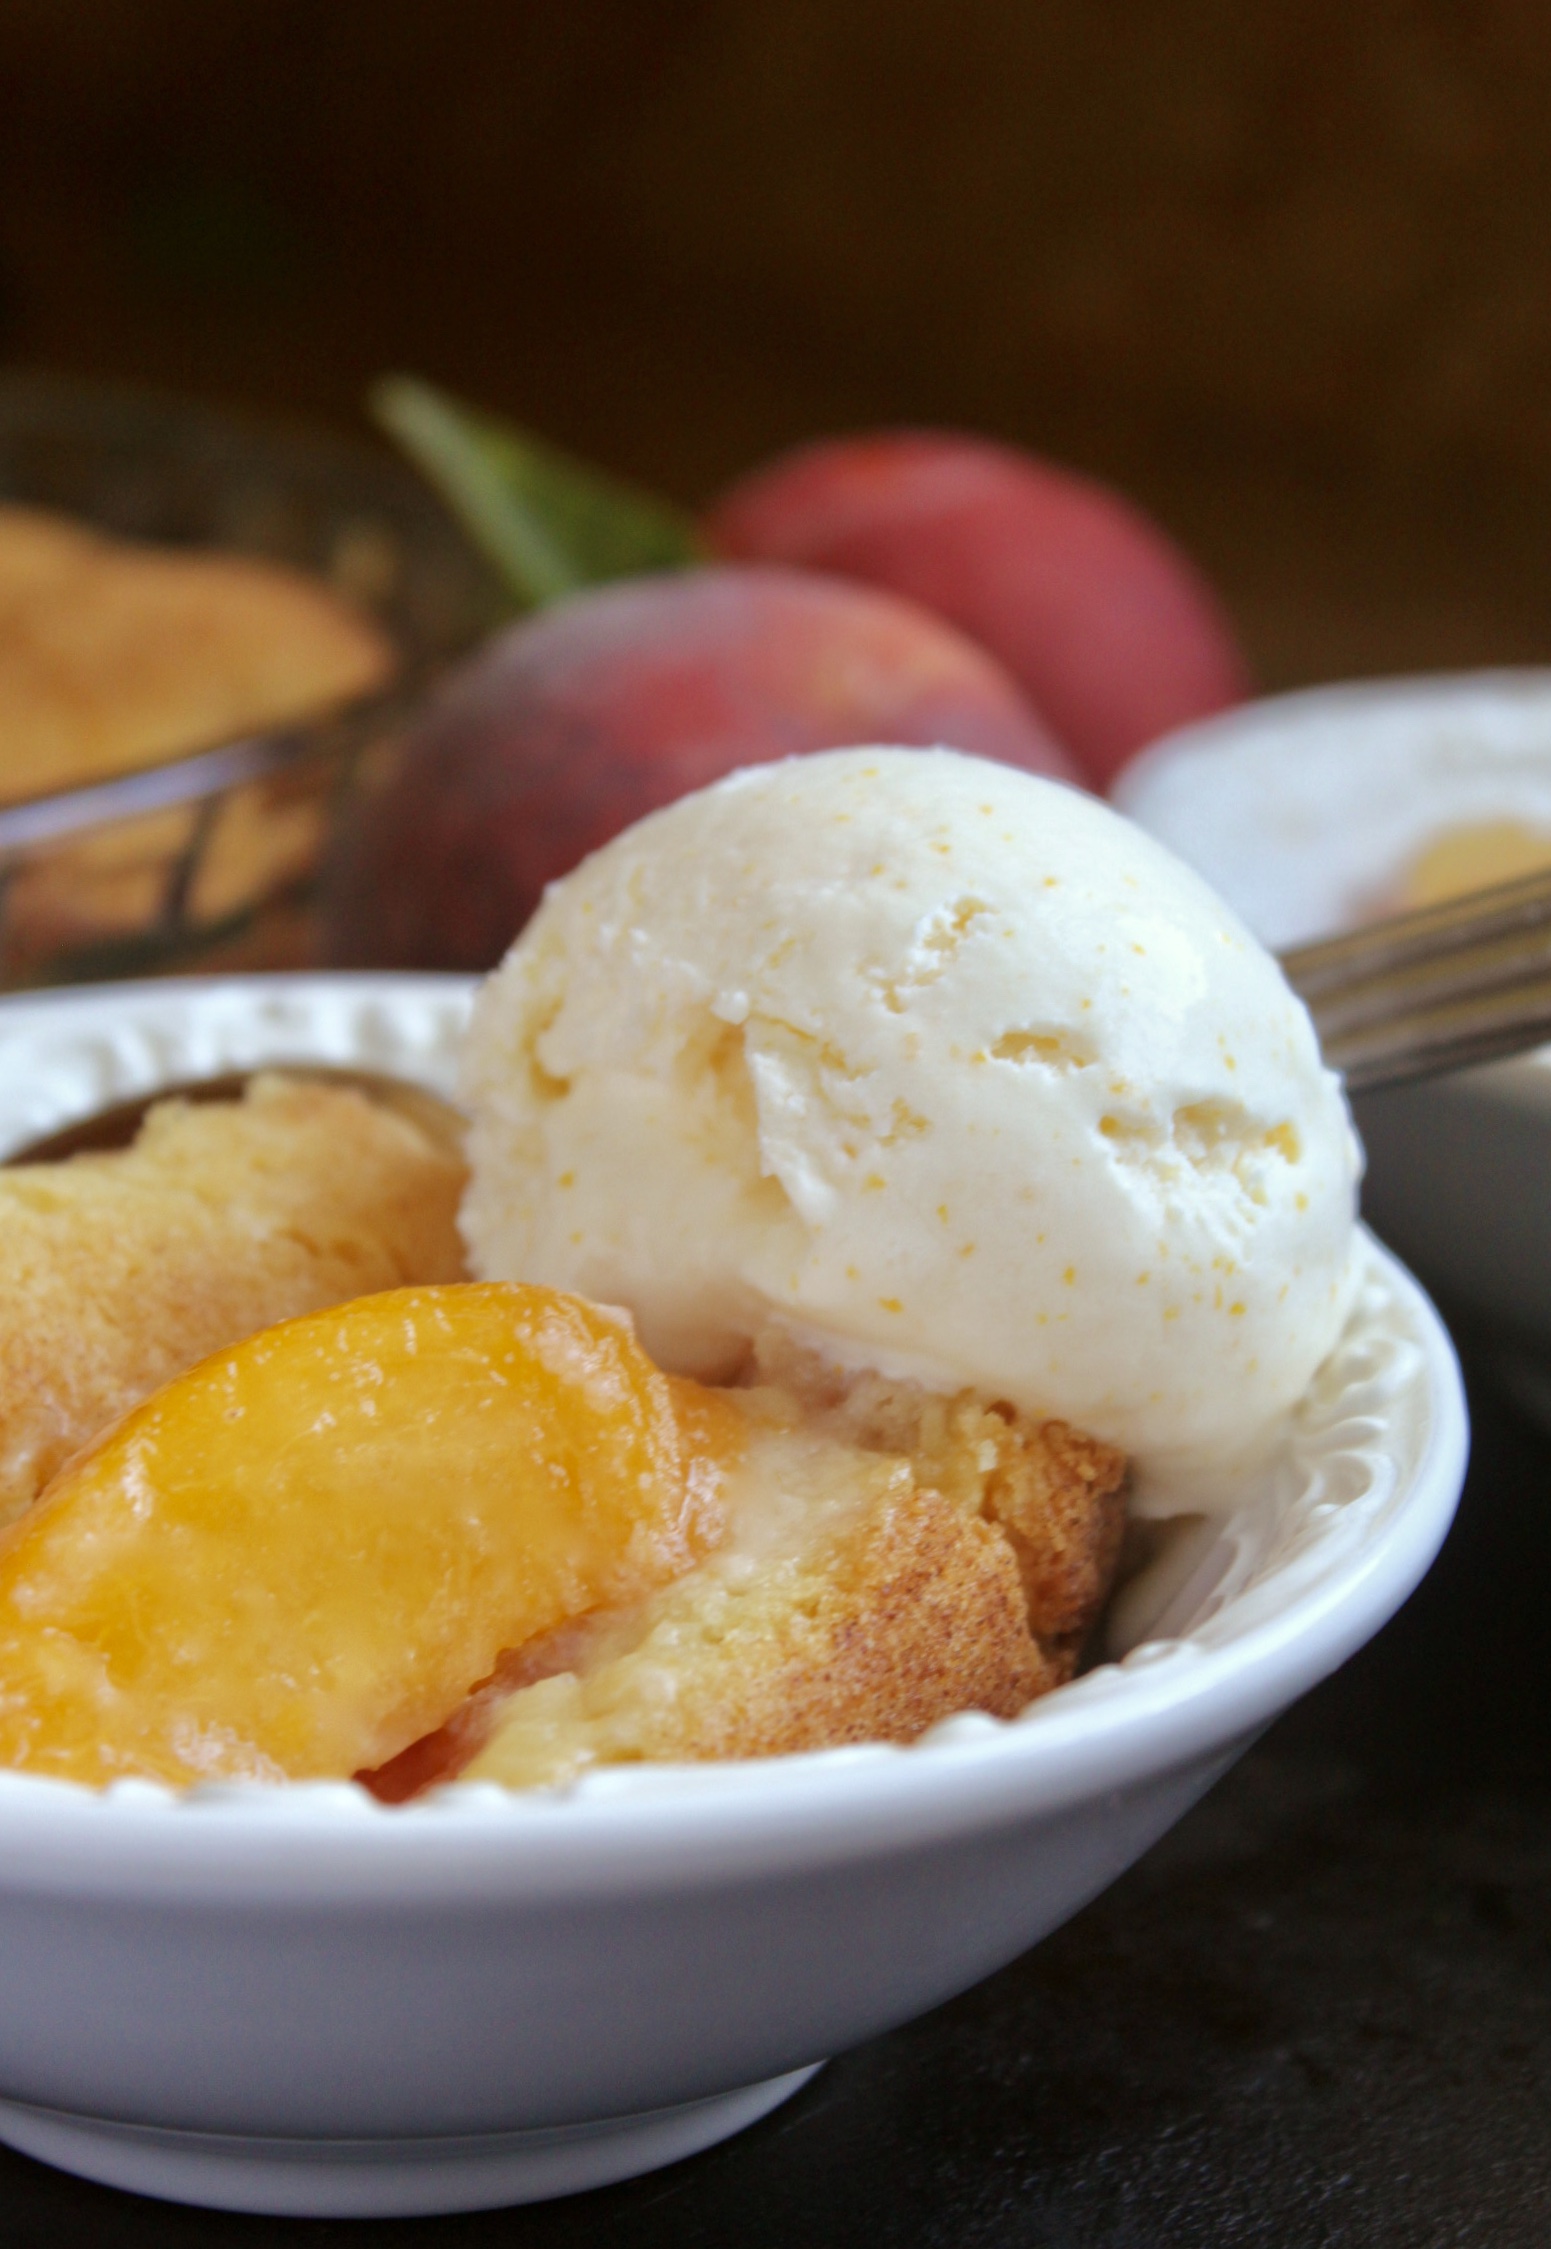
(550, 524)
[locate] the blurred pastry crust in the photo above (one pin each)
(119, 1271)
(115, 655)
(894, 1557)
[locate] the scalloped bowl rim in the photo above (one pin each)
(629, 1830)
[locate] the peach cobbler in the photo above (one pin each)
(881, 1167)
(471, 1526)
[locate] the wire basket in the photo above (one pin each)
(210, 860)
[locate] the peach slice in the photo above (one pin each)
(301, 1556)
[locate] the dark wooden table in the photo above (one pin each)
(1319, 2013)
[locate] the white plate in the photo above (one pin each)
(297, 2000)
(1302, 810)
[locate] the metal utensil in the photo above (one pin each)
(1424, 993)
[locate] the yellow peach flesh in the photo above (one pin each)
(301, 1556)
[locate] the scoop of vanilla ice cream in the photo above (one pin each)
(949, 1070)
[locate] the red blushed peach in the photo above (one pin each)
(574, 723)
(1111, 630)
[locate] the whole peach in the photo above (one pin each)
(1110, 628)
(577, 721)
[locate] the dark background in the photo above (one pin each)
(1283, 270)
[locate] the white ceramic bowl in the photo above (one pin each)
(1303, 810)
(298, 2000)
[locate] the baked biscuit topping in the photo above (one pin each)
(892, 1557)
(119, 1271)
(115, 655)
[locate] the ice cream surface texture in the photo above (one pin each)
(948, 1070)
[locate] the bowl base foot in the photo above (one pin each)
(370, 2178)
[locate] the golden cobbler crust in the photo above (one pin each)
(937, 1555)
(118, 1272)
(115, 654)
(1055, 1494)
(917, 1614)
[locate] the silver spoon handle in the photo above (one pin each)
(1427, 992)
